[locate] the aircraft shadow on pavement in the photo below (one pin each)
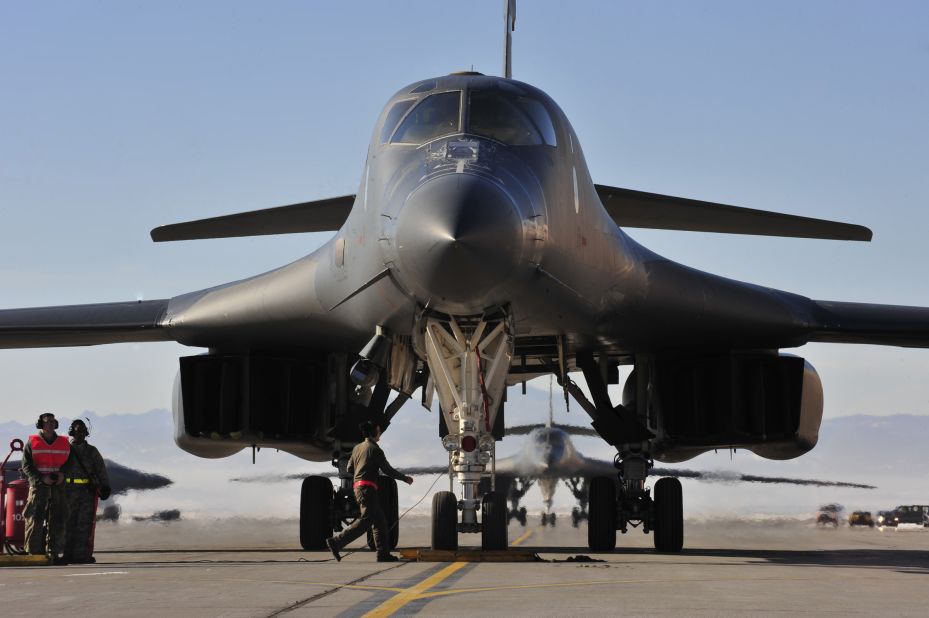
(902, 560)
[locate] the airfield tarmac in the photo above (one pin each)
(243, 567)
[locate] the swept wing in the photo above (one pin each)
(78, 325)
(326, 215)
(630, 208)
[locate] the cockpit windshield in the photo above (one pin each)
(435, 116)
(393, 117)
(512, 119)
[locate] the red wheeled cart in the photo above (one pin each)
(12, 502)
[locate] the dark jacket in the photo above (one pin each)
(86, 462)
(368, 460)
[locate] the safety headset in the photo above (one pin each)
(41, 421)
(368, 429)
(74, 424)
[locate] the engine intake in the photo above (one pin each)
(769, 404)
(226, 402)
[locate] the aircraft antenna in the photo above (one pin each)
(509, 14)
(551, 405)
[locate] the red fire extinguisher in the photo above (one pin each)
(12, 502)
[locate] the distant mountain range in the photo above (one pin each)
(887, 451)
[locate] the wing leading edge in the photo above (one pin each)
(317, 216)
(79, 325)
(897, 325)
(630, 208)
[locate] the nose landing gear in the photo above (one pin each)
(469, 358)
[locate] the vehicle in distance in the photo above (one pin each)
(886, 518)
(912, 515)
(861, 518)
(829, 515)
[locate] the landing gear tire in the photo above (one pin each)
(601, 514)
(521, 517)
(493, 522)
(387, 494)
(315, 512)
(575, 517)
(444, 521)
(669, 516)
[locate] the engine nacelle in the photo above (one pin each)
(226, 402)
(769, 404)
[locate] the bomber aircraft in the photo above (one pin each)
(478, 253)
(549, 457)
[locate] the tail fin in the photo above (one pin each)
(509, 15)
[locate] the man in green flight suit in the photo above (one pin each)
(85, 479)
(366, 462)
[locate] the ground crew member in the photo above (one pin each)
(85, 480)
(366, 462)
(46, 511)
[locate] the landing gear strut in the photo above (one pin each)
(469, 358)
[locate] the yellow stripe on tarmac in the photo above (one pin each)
(397, 601)
(525, 536)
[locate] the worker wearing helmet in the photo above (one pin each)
(46, 511)
(366, 462)
(86, 479)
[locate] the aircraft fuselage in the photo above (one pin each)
(464, 221)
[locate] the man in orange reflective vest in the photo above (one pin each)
(46, 511)
(366, 462)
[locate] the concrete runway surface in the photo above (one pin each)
(251, 567)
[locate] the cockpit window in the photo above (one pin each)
(393, 117)
(435, 116)
(511, 119)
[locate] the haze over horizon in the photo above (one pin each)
(888, 452)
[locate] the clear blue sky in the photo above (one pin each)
(116, 117)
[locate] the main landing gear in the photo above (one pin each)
(469, 358)
(616, 503)
(324, 511)
(580, 489)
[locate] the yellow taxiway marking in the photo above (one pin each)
(525, 536)
(419, 591)
(391, 605)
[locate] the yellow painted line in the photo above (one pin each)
(525, 536)
(396, 602)
(24, 560)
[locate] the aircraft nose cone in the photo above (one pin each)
(458, 237)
